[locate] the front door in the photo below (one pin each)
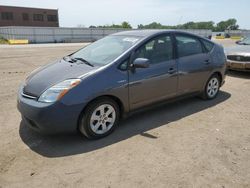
(159, 80)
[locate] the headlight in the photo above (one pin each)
(57, 91)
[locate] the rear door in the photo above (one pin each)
(194, 63)
(159, 80)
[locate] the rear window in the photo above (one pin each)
(208, 45)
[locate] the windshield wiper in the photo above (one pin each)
(74, 60)
(69, 59)
(84, 61)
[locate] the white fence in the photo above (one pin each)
(242, 33)
(63, 34)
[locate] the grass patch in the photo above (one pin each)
(236, 37)
(220, 37)
(3, 40)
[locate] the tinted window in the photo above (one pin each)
(52, 18)
(157, 50)
(208, 45)
(38, 17)
(124, 65)
(188, 45)
(7, 16)
(25, 16)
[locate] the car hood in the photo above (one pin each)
(43, 78)
(243, 50)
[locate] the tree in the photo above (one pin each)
(155, 25)
(196, 25)
(228, 24)
(221, 26)
(126, 25)
(188, 25)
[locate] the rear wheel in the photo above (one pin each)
(212, 87)
(99, 118)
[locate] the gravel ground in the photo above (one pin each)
(190, 143)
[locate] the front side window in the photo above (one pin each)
(106, 50)
(188, 45)
(157, 50)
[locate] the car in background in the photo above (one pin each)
(244, 41)
(238, 57)
(226, 35)
(91, 89)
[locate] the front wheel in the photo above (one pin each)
(212, 87)
(99, 119)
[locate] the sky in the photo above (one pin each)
(167, 12)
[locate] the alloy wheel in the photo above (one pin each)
(212, 87)
(102, 119)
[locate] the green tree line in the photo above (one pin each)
(221, 26)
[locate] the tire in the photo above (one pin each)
(99, 119)
(212, 87)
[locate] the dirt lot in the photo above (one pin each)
(191, 143)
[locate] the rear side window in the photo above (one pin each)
(188, 45)
(157, 50)
(208, 45)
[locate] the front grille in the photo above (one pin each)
(238, 58)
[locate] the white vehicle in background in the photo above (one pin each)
(238, 57)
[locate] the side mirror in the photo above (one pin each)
(140, 63)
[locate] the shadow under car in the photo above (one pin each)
(139, 123)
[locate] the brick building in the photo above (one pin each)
(23, 16)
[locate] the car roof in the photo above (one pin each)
(148, 32)
(141, 32)
(145, 33)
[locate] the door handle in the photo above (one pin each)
(171, 70)
(207, 62)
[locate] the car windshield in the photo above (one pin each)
(246, 41)
(106, 50)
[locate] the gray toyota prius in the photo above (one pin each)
(90, 90)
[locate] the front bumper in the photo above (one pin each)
(48, 118)
(238, 65)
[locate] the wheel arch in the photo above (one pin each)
(112, 97)
(213, 73)
(218, 73)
